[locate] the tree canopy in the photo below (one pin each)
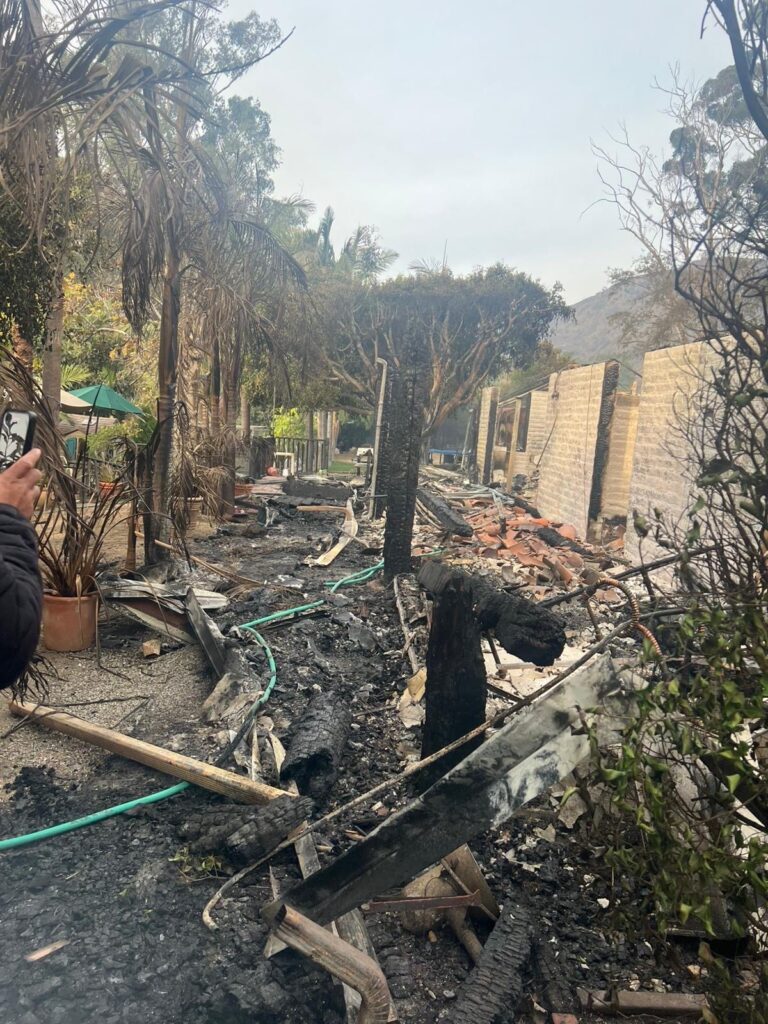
(464, 330)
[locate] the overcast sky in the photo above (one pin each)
(469, 124)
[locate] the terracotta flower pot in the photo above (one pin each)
(108, 487)
(69, 623)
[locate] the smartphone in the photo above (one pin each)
(17, 435)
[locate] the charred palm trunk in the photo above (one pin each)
(245, 417)
(166, 378)
(22, 349)
(456, 676)
(54, 328)
(214, 398)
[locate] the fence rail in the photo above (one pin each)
(310, 455)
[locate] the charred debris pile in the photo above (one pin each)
(391, 760)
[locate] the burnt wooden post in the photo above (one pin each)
(262, 456)
(456, 677)
(405, 425)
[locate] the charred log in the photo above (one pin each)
(317, 744)
(297, 488)
(522, 627)
(557, 540)
(495, 987)
(244, 834)
(445, 515)
(526, 506)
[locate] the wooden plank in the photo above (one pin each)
(348, 532)
(523, 759)
(150, 614)
(237, 787)
(206, 633)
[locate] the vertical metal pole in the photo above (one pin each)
(373, 504)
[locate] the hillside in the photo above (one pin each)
(593, 335)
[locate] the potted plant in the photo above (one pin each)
(73, 528)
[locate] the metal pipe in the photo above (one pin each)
(377, 436)
(340, 959)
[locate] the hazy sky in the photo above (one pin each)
(469, 124)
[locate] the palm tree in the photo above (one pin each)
(68, 93)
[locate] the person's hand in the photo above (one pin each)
(18, 483)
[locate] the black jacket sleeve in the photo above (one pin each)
(21, 594)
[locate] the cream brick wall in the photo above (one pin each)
(617, 476)
(567, 462)
(661, 478)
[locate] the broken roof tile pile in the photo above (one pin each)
(524, 547)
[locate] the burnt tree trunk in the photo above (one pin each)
(167, 366)
(522, 627)
(456, 678)
(316, 747)
(495, 988)
(406, 421)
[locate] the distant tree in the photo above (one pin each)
(362, 255)
(466, 330)
(548, 361)
(659, 317)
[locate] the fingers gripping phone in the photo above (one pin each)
(17, 435)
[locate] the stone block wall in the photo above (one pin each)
(574, 401)
(661, 478)
(618, 467)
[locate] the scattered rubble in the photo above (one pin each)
(364, 820)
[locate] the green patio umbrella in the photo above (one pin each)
(106, 402)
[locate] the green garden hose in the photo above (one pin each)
(110, 812)
(91, 819)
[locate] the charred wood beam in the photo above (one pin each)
(521, 503)
(522, 627)
(541, 745)
(404, 431)
(317, 743)
(497, 984)
(208, 635)
(444, 514)
(456, 676)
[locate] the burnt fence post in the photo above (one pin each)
(404, 430)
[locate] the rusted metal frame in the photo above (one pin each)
(422, 903)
